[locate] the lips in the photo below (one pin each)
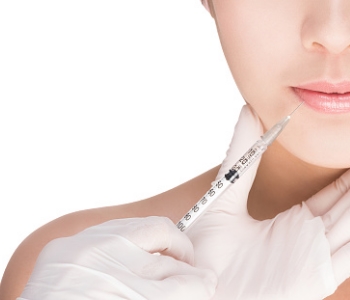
(326, 97)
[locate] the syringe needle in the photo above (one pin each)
(234, 173)
(275, 131)
(296, 108)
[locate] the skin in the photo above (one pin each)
(271, 46)
(274, 46)
(23, 260)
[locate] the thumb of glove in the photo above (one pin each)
(247, 131)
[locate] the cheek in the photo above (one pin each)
(262, 44)
(258, 44)
(318, 139)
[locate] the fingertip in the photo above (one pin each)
(326, 200)
(199, 285)
(159, 234)
(342, 184)
(248, 130)
(180, 246)
(210, 282)
(341, 264)
(211, 278)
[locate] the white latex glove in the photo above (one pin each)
(113, 260)
(302, 253)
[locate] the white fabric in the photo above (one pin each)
(300, 254)
(113, 261)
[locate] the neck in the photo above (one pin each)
(283, 180)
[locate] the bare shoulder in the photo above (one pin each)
(342, 293)
(172, 204)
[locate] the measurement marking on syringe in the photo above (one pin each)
(236, 172)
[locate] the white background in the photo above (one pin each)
(96, 93)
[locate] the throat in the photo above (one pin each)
(283, 180)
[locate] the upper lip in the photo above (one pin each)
(327, 87)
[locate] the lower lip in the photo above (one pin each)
(325, 103)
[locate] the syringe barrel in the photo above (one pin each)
(194, 213)
(241, 166)
(221, 185)
(275, 131)
(246, 161)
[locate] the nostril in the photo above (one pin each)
(326, 33)
(318, 47)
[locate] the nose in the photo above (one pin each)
(326, 27)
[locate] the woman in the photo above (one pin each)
(280, 54)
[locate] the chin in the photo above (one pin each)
(319, 156)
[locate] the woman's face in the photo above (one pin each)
(275, 46)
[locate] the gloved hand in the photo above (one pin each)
(113, 260)
(302, 253)
(206, 5)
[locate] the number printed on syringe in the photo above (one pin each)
(200, 205)
(236, 172)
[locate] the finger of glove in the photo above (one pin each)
(341, 264)
(108, 260)
(126, 255)
(153, 276)
(206, 4)
(115, 254)
(325, 199)
(178, 279)
(247, 131)
(338, 234)
(82, 282)
(333, 215)
(63, 271)
(189, 287)
(152, 234)
(121, 269)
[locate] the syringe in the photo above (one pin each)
(234, 173)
